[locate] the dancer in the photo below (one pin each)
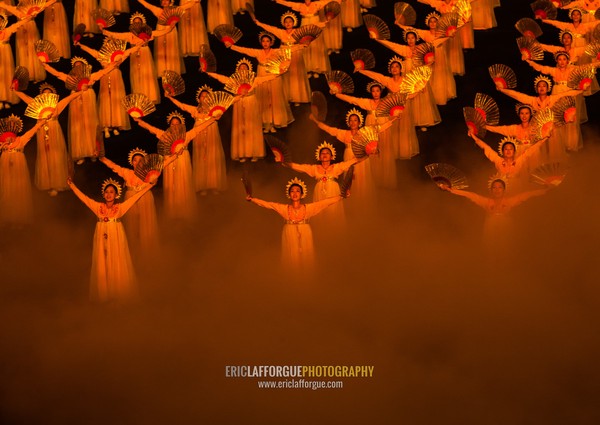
(56, 28)
(193, 30)
(7, 62)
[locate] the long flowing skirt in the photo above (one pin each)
(467, 36)
(111, 113)
(141, 224)
(16, 202)
(295, 81)
(218, 12)
(27, 35)
(246, 130)
(178, 184)
(142, 74)
(297, 250)
(7, 69)
(403, 134)
(83, 124)
(442, 80)
(274, 106)
(383, 165)
(456, 57)
(239, 6)
(112, 277)
(193, 31)
(209, 160)
(332, 35)
(315, 55)
(483, 16)
(351, 17)
(56, 29)
(51, 164)
(115, 5)
(332, 218)
(167, 55)
(363, 188)
(83, 15)
(425, 110)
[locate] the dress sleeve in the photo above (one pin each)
(90, 203)
(396, 48)
(280, 209)
(245, 50)
(505, 130)
(303, 168)
(523, 98)
(315, 208)
(128, 203)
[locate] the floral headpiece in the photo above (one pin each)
(581, 12)
(322, 146)
(542, 78)
(563, 32)
(356, 112)
(289, 14)
(396, 59)
(520, 106)
(432, 15)
(112, 182)
(46, 86)
(134, 152)
(506, 140)
(139, 15)
(406, 32)
(267, 34)
(497, 177)
(243, 61)
(296, 182)
(561, 53)
(201, 89)
(76, 59)
(374, 84)
(177, 115)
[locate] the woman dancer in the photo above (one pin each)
(7, 62)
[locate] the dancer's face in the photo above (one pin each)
(165, 3)
(562, 61)
(353, 122)
(325, 155)
(137, 21)
(395, 68)
(432, 23)
(525, 115)
(243, 67)
(295, 193)
(110, 193)
(288, 23)
(46, 91)
(203, 96)
(508, 151)
(576, 16)
(136, 160)
(497, 190)
(411, 39)
(376, 92)
(265, 42)
(542, 87)
(174, 121)
(567, 40)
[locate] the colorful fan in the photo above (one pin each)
(42, 106)
(103, 18)
(528, 28)
(150, 167)
(376, 27)
(10, 127)
(415, 80)
(549, 174)
(281, 63)
(560, 3)
(339, 82)
(29, 7)
(112, 50)
(170, 16)
(306, 34)
(445, 175)
(503, 76)
(475, 122)
(593, 50)
(217, 103)
(447, 25)
(78, 77)
(487, 108)
(581, 78)
(280, 150)
(318, 106)
(207, 59)
(138, 105)
(405, 14)
(240, 83)
(391, 106)
(227, 34)
(20, 80)
(172, 141)
(542, 124)
(564, 111)
(332, 10)
(142, 31)
(362, 59)
(464, 10)
(346, 182)
(544, 9)
(172, 83)
(365, 142)
(530, 49)
(424, 54)
(78, 33)
(46, 51)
